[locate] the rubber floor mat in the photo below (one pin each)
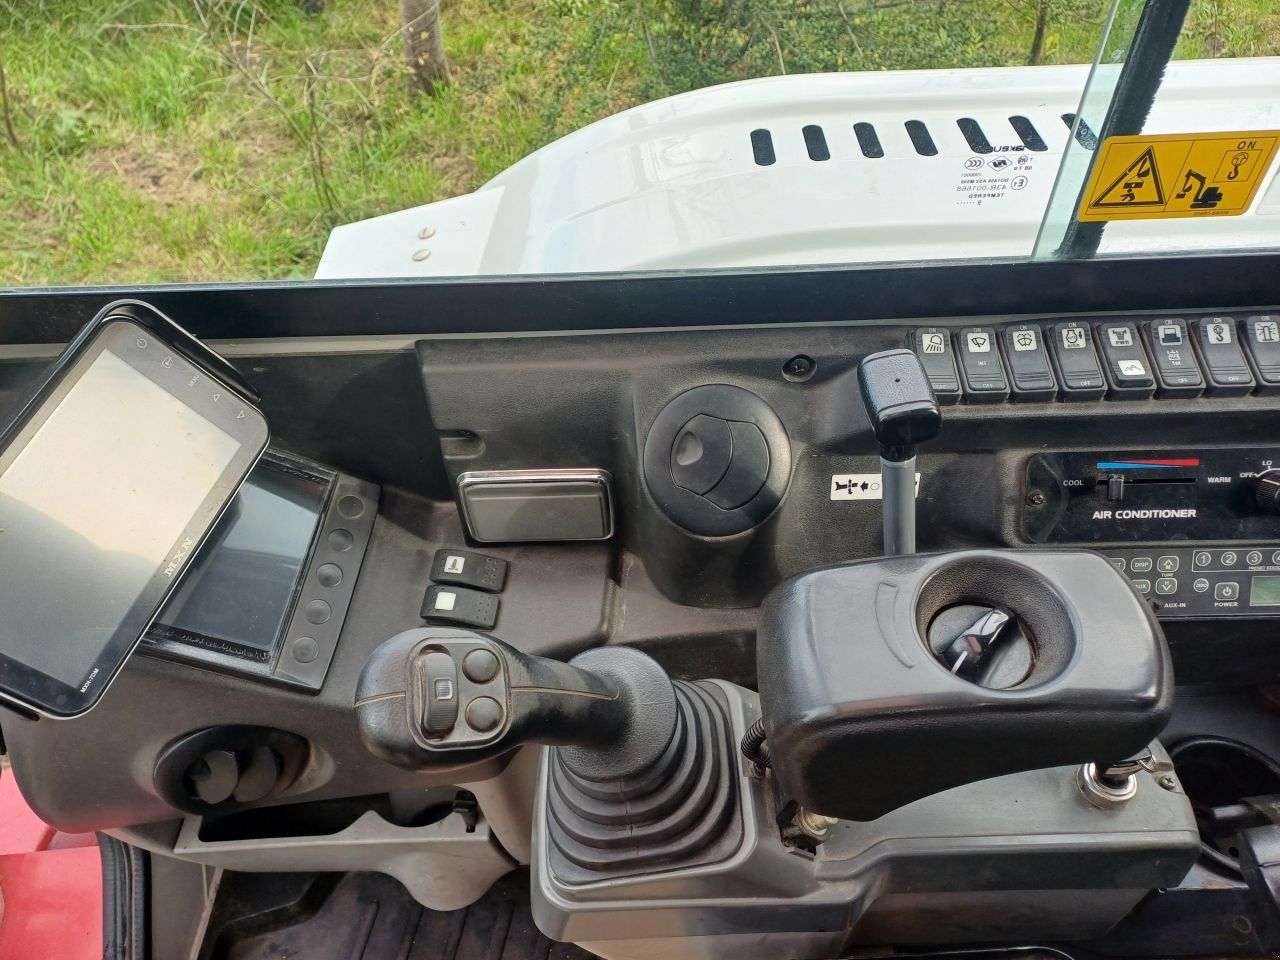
(369, 916)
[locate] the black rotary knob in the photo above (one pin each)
(1266, 491)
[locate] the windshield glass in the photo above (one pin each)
(210, 140)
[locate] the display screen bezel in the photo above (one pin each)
(140, 337)
(193, 645)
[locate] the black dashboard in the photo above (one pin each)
(1144, 432)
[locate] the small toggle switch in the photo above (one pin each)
(472, 608)
(466, 568)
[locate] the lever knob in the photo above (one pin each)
(1266, 491)
(900, 402)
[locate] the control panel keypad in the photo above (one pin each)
(1120, 359)
(1199, 582)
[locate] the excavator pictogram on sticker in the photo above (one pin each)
(1138, 186)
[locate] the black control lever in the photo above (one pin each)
(904, 413)
(440, 696)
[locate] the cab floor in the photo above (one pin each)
(369, 916)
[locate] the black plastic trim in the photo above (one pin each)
(706, 298)
(921, 139)
(125, 897)
(868, 140)
(815, 142)
(762, 147)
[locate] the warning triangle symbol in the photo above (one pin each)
(1138, 186)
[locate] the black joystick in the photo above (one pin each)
(904, 413)
(643, 772)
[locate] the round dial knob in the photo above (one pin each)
(1266, 491)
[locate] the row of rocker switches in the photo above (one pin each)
(464, 589)
(1119, 359)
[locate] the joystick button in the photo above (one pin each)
(480, 666)
(483, 714)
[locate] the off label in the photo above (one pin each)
(1148, 177)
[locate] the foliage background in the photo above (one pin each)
(160, 140)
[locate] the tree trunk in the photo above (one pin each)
(424, 45)
(1042, 27)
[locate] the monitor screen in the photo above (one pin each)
(91, 507)
(238, 591)
(1265, 592)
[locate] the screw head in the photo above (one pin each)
(1168, 782)
(1036, 498)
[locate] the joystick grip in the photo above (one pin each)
(440, 696)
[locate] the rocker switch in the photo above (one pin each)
(1128, 369)
(471, 608)
(465, 568)
(1225, 367)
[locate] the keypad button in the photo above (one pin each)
(1166, 586)
(1227, 591)
(1140, 564)
(1253, 558)
(1229, 558)
(1168, 564)
(1201, 585)
(1143, 586)
(317, 611)
(1117, 562)
(1204, 558)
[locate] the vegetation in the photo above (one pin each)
(153, 140)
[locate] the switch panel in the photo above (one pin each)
(1127, 367)
(980, 366)
(937, 355)
(1177, 371)
(1029, 368)
(1225, 367)
(1076, 360)
(1261, 335)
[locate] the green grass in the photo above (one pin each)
(157, 145)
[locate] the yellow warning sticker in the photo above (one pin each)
(1178, 175)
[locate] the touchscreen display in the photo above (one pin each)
(240, 587)
(91, 507)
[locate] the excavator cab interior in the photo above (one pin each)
(747, 612)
